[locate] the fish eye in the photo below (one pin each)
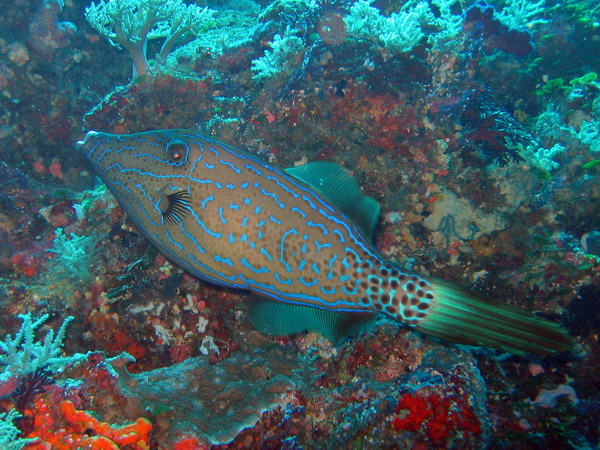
(176, 151)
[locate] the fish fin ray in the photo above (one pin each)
(475, 319)
(339, 186)
(281, 319)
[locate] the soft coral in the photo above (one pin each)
(131, 23)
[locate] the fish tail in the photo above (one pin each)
(474, 319)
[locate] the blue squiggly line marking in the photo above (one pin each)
(221, 259)
(282, 186)
(253, 169)
(309, 201)
(350, 292)
(273, 196)
(293, 231)
(265, 252)
(339, 234)
(328, 291)
(246, 263)
(154, 204)
(321, 246)
(206, 200)
(320, 226)
(308, 283)
(280, 279)
(299, 211)
(230, 165)
(203, 225)
(173, 241)
(223, 219)
(191, 237)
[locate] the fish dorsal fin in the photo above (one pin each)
(281, 319)
(340, 188)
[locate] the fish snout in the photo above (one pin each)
(87, 139)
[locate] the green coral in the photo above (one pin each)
(589, 134)
(449, 25)
(23, 354)
(274, 60)
(130, 24)
(364, 20)
(551, 86)
(583, 12)
(403, 30)
(235, 24)
(540, 157)
(74, 253)
(577, 87)
(9, 433)
(290, 11)
(521, 14)
(399, 32)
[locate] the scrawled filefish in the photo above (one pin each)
(300, 238)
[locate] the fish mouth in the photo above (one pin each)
(88, 137)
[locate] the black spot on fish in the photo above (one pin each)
(174, 206)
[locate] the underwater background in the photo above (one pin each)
(475, 125)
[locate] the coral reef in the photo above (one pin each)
(475, 126)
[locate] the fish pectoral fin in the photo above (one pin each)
(339, 186)
(279, 319)
(174, 204)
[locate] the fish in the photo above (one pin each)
(301, 239)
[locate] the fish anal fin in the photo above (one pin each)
(280, 319)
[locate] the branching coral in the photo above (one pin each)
(130, 24)
(9, 433)
(23, 355)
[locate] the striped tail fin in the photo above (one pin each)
(473, 319)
